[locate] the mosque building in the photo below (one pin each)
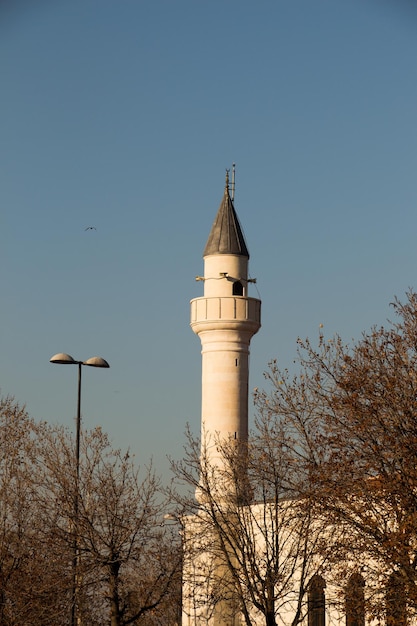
(225, 319)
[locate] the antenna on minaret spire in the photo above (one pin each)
(233, 182)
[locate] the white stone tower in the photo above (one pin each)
(225, 319)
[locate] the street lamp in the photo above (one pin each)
(95, 361)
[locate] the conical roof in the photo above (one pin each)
(226, 236)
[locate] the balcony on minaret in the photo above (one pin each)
(227, 312)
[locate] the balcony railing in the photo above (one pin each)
(228, 308)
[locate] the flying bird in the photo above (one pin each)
(90, 228)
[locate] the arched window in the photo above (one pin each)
(355, 601)
(237, 288)
(396, 607)
(316, 602)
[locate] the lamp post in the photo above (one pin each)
(95, 361)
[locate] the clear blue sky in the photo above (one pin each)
(123, 115)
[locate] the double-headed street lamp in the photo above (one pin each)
(95, 361)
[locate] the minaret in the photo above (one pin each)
(225, 319)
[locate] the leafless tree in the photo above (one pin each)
(32, 569)
(128, 561)
(126, 555)
(251, 542)
(353, 411)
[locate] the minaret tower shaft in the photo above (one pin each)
(225, 319)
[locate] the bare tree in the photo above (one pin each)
(32, 569)
(251, 542)
(353, 411)
(126, 555)
(128, 562)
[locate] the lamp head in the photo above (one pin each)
(63, 359)
(96, 361)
